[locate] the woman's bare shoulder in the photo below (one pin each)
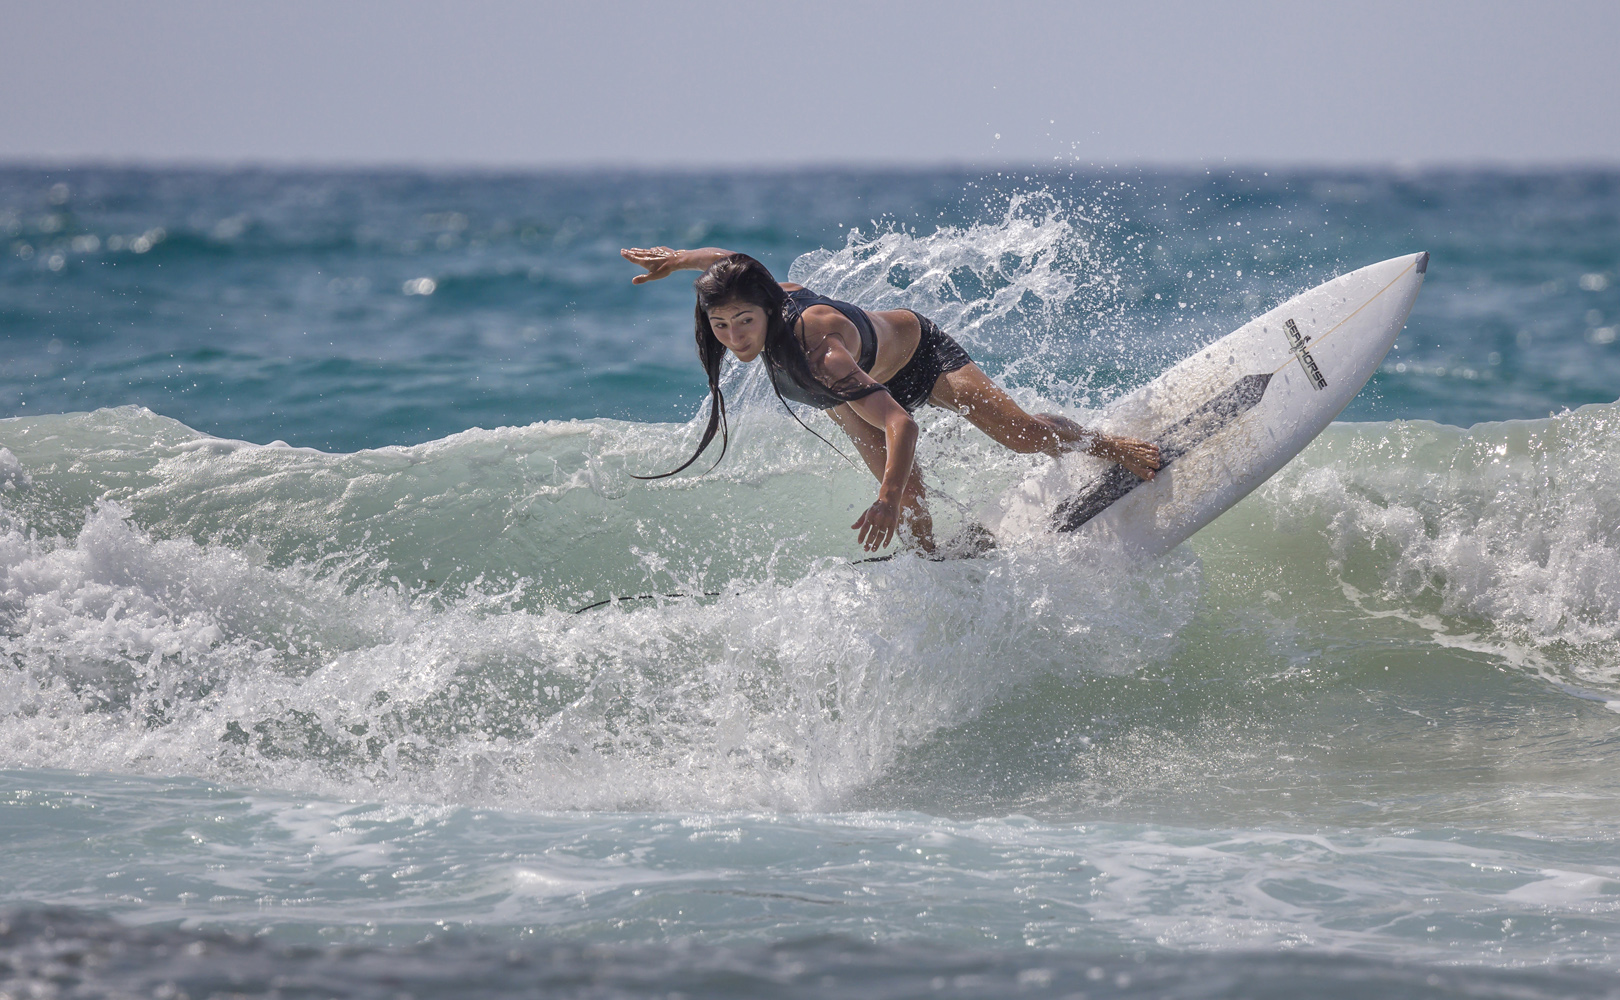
(791, 286)
(823, 328)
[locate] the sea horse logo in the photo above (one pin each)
(1299, 347)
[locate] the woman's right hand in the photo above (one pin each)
(660, 262)
(878, 524)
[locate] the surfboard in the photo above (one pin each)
(1225, 419)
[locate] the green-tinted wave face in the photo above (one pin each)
(402, 622)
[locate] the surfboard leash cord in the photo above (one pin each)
(642, 597)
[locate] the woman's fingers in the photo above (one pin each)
(877, 525)
(865, 528)
(1141, 458)
(880, 537)
(870, 535)
(1140, 462)
(656, 260)
(648, 255)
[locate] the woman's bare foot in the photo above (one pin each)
(1140, 457)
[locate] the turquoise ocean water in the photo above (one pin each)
(303, 476)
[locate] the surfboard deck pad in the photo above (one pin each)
(1213, 416)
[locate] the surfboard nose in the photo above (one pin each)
(1404, 288)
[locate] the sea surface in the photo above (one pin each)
(305, 478)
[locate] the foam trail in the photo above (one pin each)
(297, 648)
(141, 642)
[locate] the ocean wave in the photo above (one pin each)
(139, 653)
(402, 620)
(400, 623)
(1507, 530)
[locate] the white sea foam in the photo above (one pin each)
(1510, 530)
(1038, 255)
(369, 873)
(180, 644)
(400, 622)
(1033, 285)
(12, 475)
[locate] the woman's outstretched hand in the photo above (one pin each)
(878, 525)
(1140, 457)
(660, 262)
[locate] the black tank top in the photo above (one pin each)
(815, 394)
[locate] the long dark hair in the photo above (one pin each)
(740, 278)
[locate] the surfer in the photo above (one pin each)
(868, 371)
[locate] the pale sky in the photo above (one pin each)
(536, 84)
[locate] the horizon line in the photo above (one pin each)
(237, 164)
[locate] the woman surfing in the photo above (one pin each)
(868, 371)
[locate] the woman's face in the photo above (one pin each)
(740, 326)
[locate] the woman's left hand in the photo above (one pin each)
(659, 262)
(878, 524)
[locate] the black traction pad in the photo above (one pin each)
(1098, 495)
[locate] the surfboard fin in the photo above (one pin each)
(1182, 437)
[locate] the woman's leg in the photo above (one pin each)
(969, 391)
(874, 451)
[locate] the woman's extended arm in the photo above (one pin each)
(877, 525)
(660, 262)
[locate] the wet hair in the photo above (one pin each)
(740, 278)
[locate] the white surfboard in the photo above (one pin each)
(1225, 419)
